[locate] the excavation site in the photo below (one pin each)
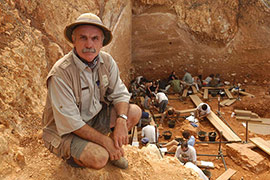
(135, 89)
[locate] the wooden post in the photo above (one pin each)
(219, 105)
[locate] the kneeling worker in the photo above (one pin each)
(86, 99)
(186, 153)
(202, 111)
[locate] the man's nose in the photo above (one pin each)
(89, 43)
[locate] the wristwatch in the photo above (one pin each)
(122, 116)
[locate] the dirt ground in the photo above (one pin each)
(260, 105)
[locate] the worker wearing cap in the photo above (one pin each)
(87, 114)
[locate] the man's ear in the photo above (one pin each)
(73, 38)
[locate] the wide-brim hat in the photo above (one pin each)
(89, 19)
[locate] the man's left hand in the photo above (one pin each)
(120, 134)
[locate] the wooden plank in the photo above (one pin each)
(194, 89)
(256, 119)
(228, 134)
(229, 94)
(196, 100)
(227, 174)
(246, 118)
(222, 103)
(205, 94)
(222, 87)
(254, 115)
(186, 111)
(159, 115)
(261, 143)
(185, 93)
(265, 120)
(240, 112)
(259, 128)
(246, 94)
(230, 102)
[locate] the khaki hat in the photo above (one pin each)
(88, 19)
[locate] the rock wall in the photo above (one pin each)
(225, 37)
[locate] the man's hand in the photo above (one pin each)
(120, 133)
(185, 159)
(115, 153)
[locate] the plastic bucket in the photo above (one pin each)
(201, 135)
(212, 136)
(171, 124)
(167, 135)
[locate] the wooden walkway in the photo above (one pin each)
(227, 174)
(228, 134)
(262, 144)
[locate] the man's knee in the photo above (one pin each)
(134, 113)
(98, 162)
(94, 156)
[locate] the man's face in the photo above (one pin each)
(87, 40)
(184, 149)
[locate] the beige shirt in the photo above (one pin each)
(66, 113)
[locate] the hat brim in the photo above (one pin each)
(107, 33)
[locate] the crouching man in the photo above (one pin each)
(87, 115)
(186, 153)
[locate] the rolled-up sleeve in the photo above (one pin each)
(65, 111)
(118, 88)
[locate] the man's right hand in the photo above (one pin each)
(115, 153)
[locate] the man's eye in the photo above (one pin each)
(95, 38)
(83, 38)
